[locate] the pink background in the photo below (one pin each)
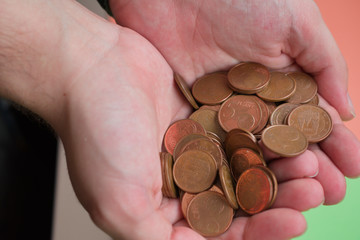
(343, 20)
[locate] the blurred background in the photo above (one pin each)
(30, 207)
(341, 221)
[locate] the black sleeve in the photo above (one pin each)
(105, 5)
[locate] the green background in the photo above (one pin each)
(340, 221)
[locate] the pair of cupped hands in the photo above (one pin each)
(120, 97)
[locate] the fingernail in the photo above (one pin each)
(351, 106)
(317, 172)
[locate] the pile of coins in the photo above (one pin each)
(213, 157)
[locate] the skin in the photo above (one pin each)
(109, 94)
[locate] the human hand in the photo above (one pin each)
(198, 37)
(113, 152)
(125, 199)
(111, 105)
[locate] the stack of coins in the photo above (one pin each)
(213, 157)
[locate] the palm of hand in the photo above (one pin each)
(124, 194)
(201, 36)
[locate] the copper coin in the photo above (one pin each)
(238, 139)
(312, 120)
(242, 159)
(185, 200)
(211, 89)
(286, 141)
(254, 157)
(205, 145)
(280, 114)
(187, 197)
(185, 90)
(215, 138)
(240, 111)
(226, 181)
(211, 107)
(280, 88)
(306, 88)
(217, 189)
(209, 120)
(194, 171)
(185, 140)
(180, 129)
(274, 183)
(224, 158)
(314, 100)
(238, 130)
(164, 188)
(209, 214)
(271, 106)
(264, 115)
(254, 191)
(248, 78)
(172, 190)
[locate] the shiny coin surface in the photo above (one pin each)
(194, 171)
(209, 120)
(248, 78)
(205, 145)
(209, 214)
(274, 183)
(227, 185)
(185, 140)
(187, 197)
(180, 129)
(168, 171)
(237, 139)
(185, 200)
(280, 88)
(279, 115)
(212, 89)
(211, 107)
(240, 111)
(185, 90)
(286, 141)
(237, 131)
(242, 159)
(312, 120)
(254, 191)
(215, 138)
(306, 88)
(264, 115)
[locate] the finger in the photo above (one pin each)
(170, 208)
(344, 150)
(185, 232)
(281, 223)
(330, 178)
(299, 194)
(304, 165)
(315, 50)
(342, 146)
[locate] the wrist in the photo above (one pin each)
(44, 51)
